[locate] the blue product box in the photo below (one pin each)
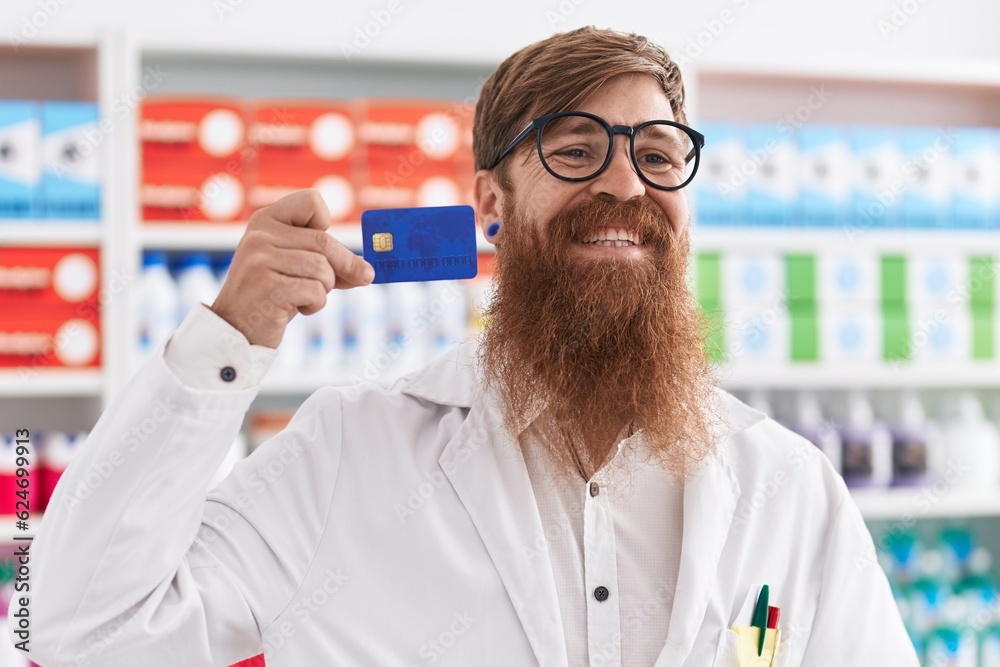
(976, 168)
(772, 158)
(878, 178)
(719, 189)
(20, 159)
(71, 148)
(826, 178)
(927, 173)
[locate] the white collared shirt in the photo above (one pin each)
(625, 537)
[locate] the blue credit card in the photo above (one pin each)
(417, 244)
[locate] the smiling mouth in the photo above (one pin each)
(613, 238)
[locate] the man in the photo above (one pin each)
(584, 495)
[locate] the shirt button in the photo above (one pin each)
(228, 374)
(601, 593)
(594, 489)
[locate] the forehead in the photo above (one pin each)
(629, 99)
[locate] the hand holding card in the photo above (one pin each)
(418, 244)
(286, 263)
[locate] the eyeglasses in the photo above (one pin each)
(577, 146)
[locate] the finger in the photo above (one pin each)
(352, 270)
(306, 295)
(303, 264)
(303, 208)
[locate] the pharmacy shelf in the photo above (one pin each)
(871, 376)
(8, 528)
(191, 236)
(225, 236)
(15, 382)
(219, 236)
(943, 72)
(848, 239)
(931, 502)
(50, 232)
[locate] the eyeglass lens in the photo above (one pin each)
(577, 146)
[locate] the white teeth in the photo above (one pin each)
(613, 243)
(618, 238)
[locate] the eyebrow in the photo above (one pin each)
(663, 131)
(578, 126)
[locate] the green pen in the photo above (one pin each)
(760, 618)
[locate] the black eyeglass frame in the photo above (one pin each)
(538, 125)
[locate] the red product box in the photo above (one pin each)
(192, 128)
(293, 131)
(306, 144)
(386, 185)
(188, 191)
(334, 180)
(42, 278)
(466, 114)
(417, 130)
(14, 450)
(64, 337)
(57, 451)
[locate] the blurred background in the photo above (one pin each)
(846, 225)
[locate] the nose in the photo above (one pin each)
(619, 179)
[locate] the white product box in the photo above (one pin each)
(878, 178)
(757, 333)
(20, 159)
(976, 173)
(773, 186)
(753, 278)
(720, 186)
(826, 175)
(71, 147)
(851, 277)
(937, 278)
(940, 333)
(927, 170)
(850, 331)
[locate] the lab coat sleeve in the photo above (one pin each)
(137, 563)
(205, 344)
(857, 622)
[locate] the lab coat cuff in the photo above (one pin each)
(206, 352)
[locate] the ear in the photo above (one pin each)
(489, 202)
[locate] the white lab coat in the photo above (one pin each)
(398, 527)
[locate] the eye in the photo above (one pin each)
(573, 152)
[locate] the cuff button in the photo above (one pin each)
(228, 374)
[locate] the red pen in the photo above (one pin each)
(772, 617)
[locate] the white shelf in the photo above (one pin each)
(828, 375)
(925, 503)
(842, 239)
(8, 529)
(225, 236)
(191, 236)
(50, 232)
(16, 382)
(219, 236)
(944, 72)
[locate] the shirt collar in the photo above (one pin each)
(456, 379)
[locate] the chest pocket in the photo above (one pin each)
(728, 653)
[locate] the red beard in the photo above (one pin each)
(584, 349)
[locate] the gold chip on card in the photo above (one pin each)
(382, 242)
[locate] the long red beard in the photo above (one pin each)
(582, 350)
